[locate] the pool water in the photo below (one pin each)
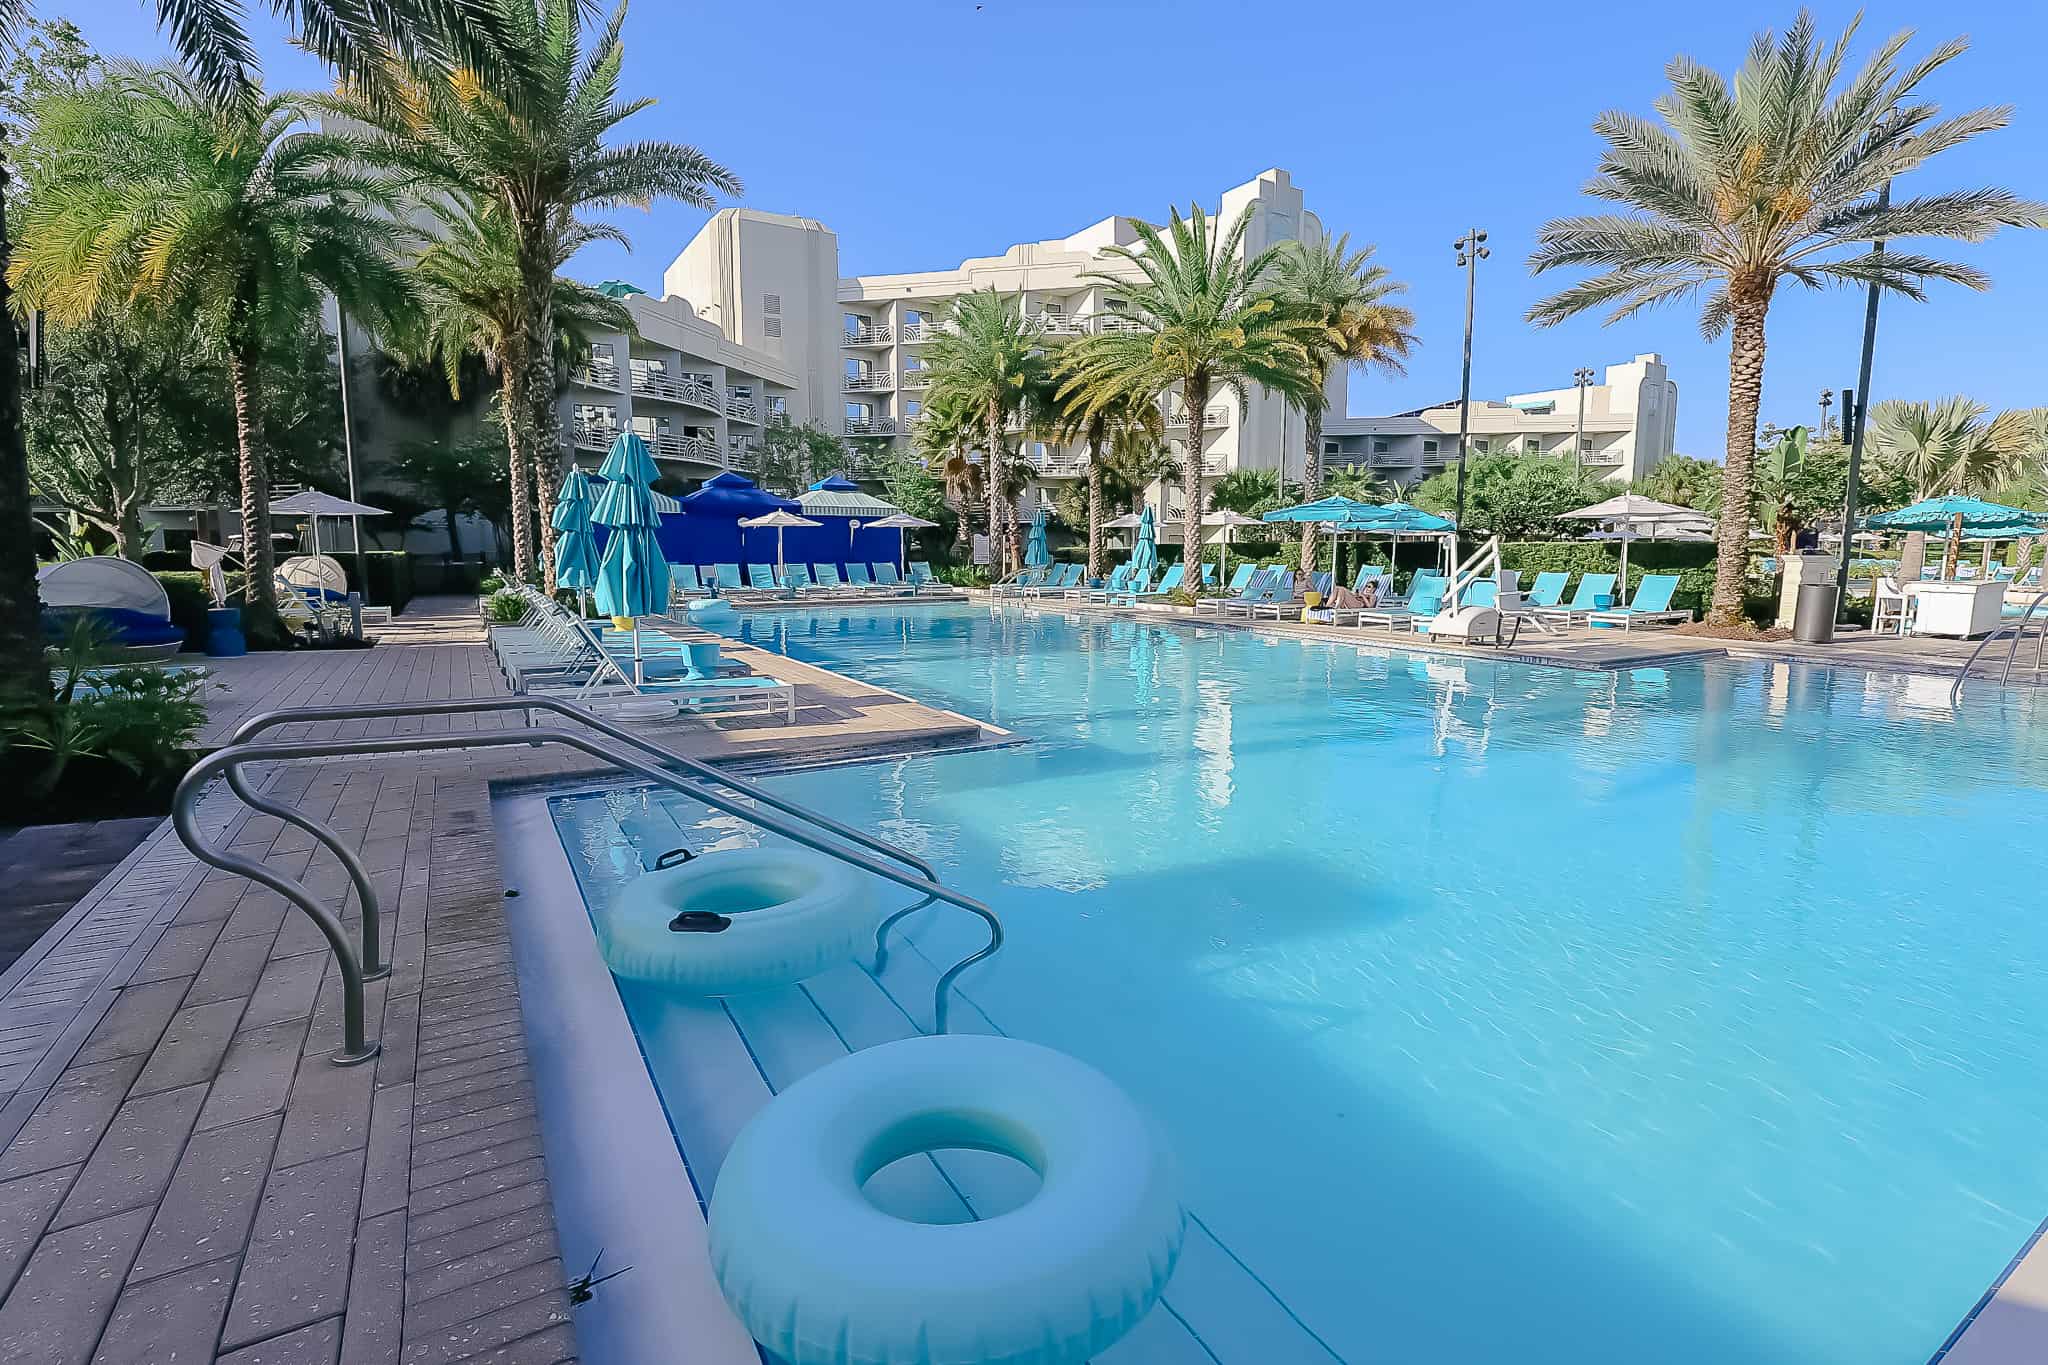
(1499, 1013)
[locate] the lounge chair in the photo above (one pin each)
(1651, 607)
(1595, 593)
(1367, 573)
(857, 576)
(1546, 591)
(1016, 583)
(761, 578)
(1279, 587)
(825, 578)
(1281, 609)
(726, 578)
(1064, 576)
(796, 577)
(1425, 600)
(1136, 585)
(1118, 583)
(1253, 589)
(1168, 584)
(1238, 580)
(887, 577)
(682, 578)
(921, 578)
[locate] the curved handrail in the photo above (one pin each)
(2018, 629)
(375, 968)
(225, 759)
(266, 720)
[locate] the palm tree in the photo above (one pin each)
(1683, 481)
(1101, 420)
(1345, 295)
(1947, 447)
(1208, 319)
(209, 39)
(990, 360)
(1784, 177)
(473, 302)
(943, 437)
(531, 144)
(153, 195)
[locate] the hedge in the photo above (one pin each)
(190, 601)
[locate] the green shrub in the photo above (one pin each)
(962, 575)
(190, 601)
(505, 607)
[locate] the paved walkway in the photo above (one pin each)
(44, 869)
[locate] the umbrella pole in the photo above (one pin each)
(639, 674)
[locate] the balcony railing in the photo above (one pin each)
(597, 376)
(870, 426)
(870, 382)
(595, 435)
(918, 333)
(674, 446)
(746, 409)
(696, 391)
(1212, 418)
(871, 334)
(1058, 324)
(916, 379)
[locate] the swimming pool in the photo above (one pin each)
(1497, 1012)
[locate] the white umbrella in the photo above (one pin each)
(1229, 521)
(902, 523)
(313, 504)
(779, 519)
(1630, 513)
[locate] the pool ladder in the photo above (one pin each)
(2018, 628)
(620, 748)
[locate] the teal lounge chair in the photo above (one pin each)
(1278, 587)
(1062, 577)
(1651, 607)
(1425, 600)
(1118, 583)
(761, 577)
(1595, 593)
(1238, 580)
(1366, 573)
(825, 578)
(886, 577)
(922, 579)
(682, 578)
(857, 576)
(1168, 584)
(726, 577)
(1285, 608)
(1253, 589)
(796, 577)
(1016, 583)
(1547, 591)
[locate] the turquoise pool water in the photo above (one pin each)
(1509, 1014)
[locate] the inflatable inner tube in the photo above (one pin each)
(750, 918)
(821, 1276)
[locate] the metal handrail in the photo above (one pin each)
(355, 1049)
(2019, 630)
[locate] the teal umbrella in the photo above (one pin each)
(1323, 509)
(1036, 553)
(632, 579)
(1145, 554)
(1956, 517)
(575, 546)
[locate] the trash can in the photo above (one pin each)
(1813, 620)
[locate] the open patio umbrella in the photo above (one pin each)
(1634, 515)
(632, 579)
(1145, 554)
(313, 505)
(1037, 554)
(781, 521)
(1228, 520)
(1322, 509)
(575, 546)
(900, 523)
(1958, 517)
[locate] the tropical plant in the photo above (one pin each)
(1255, 492)
(157, 199)
(1099, 420)
(1207, 318)
(474, 303)
(1946, 446)
(790, 458)
(1515, 497)
(1683, 481)
(943, 438)
(1346, 296)
(462, 478)
(989, 360)
(526, 144)
(1782, 178)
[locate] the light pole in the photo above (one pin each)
(1856, 416)
(1827, 400)
(1582, 377)
(1471, 249)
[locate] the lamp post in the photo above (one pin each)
(1827, 400)
(1856, 415)
(1581, 377)
(1471, 249)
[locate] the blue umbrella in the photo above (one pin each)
(1323, 509)
(632, 580)
(1145, 554)
(1036, 553)
(575, 546)
(1957, 516)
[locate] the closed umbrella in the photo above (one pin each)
(901, 522)
(632, 579)
(781, 521)
(575, 545)
(1145, 554)
(1037, 554)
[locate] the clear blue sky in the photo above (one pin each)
(925, 132)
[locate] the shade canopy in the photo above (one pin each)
(314, 503)
(838, 496)
(1223, 516)
(1634, 507)
(779, 517)
(103, 581)
(1939, 515)
(902, 521)
(732, 495)
(575, 545)
(1322, 509)
(618, 289)
(1394, 518)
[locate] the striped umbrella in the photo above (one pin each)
(575, 546)
(632, 579)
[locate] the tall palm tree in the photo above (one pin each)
(153, 195)
(990, 360)
(353, 37)
(1208, 318)
(533, 144)
(1782, 177)
(1942, 447)
(943, 437)
(473, 302)
(1346, 295)
(1102, 420)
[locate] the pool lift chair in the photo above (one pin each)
(1470, 616)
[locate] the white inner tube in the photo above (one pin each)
(821, 1276)
(789, 913)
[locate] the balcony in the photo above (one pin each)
(596, 436)
(869, 334)
(596, 376)
(874, 381)
(870, 426)
(746, 409)
(742, 455)
(1058, 324)
(918, 333)
(694, 390)
(672, 446)
(916, 379)
(1213, 419)
(1060, 465)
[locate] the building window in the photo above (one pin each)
(1479, 445)
(856, 412)
(855, 324)
(600, 353)
(771, 304)
(1428, 448)
(1382, 446)
(1330, 448)
(778, 406)
(913, 318)
(1532, 445)
(856, 369)
(597, 417)
(649, 369)
(912, 409)
(771, 327)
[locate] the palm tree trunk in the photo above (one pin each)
(260, 613)
(519, 449)
(547, 422)
(998, 523)
(1745, 395)
(1195, 393)
(1095, 498)
(21, 634)
(1311, 475)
